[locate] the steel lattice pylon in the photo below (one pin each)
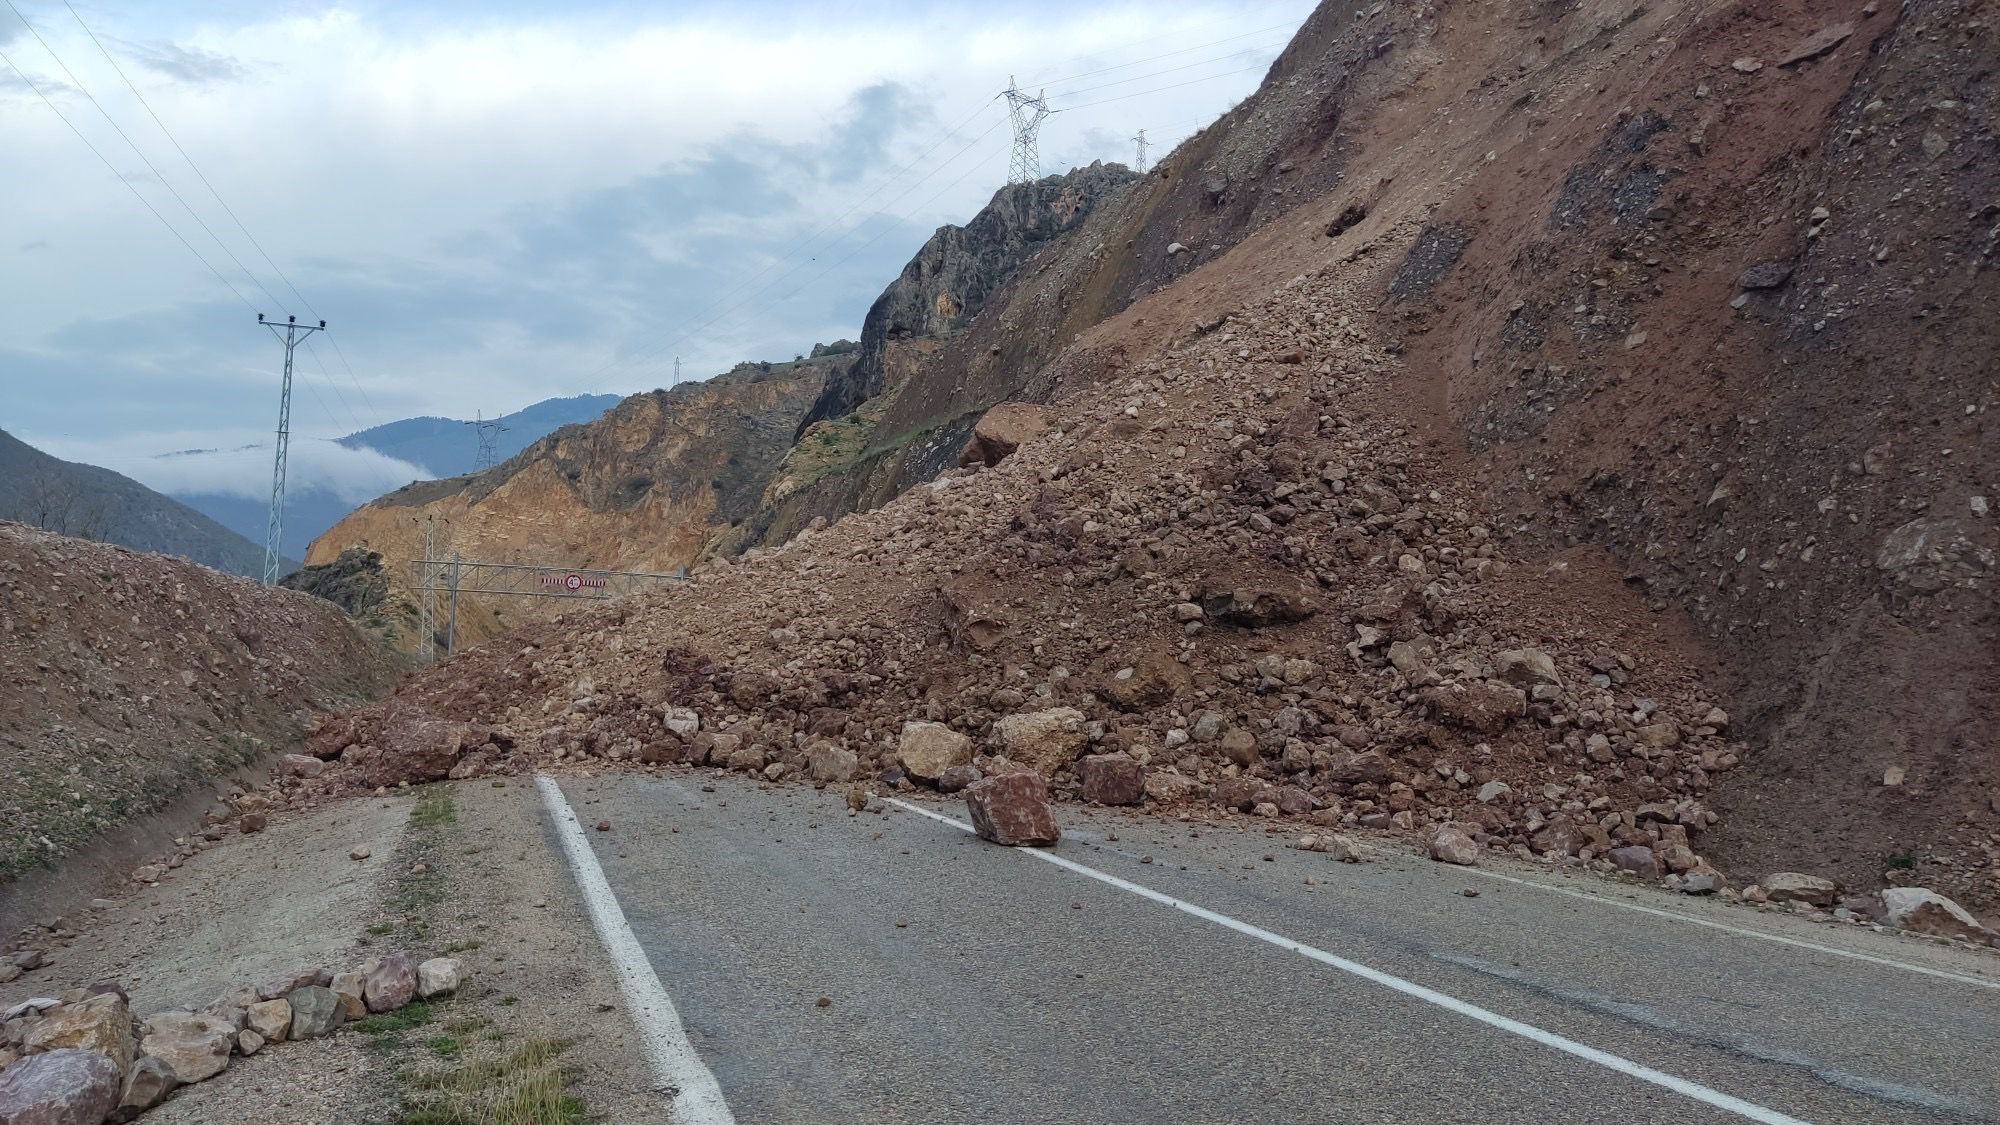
(1025, 167)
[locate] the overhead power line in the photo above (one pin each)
(120, 177)
(1160, 89)
(1169, 70)
(1286, 27)
(224, 204)
(140, 153)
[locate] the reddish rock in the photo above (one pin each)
(1637, 859)
(1792, 886)
(1483, 707)
(389, 982)
(1451, 844)
(66, 1086)
(1013, 809)
(1111, 779)
(250, 823)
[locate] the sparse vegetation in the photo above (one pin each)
(1902, 861)
(522, 1086)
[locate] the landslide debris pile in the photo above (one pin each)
(1227, 581)
(126, 678)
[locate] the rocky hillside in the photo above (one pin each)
(127, 678)
(669, 476)
(94, 503)
(1654, 340)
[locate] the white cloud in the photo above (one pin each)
(500, 208)
(241, 467)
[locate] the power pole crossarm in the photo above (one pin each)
(289, 334)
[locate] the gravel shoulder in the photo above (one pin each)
(466, 870)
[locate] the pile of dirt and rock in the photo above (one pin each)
(128, 679)
(1228, 583)
(81, 1058)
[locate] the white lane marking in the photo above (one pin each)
(697, 1099)
(1622, 1065)
(1656, 912)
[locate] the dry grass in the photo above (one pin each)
(521, 1086)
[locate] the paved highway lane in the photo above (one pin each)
(973, 983)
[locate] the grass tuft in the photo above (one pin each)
(523, 1086)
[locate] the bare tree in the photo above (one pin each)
(54, 502)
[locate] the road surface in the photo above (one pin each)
(970, 983)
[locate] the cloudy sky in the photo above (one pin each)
(495, 203)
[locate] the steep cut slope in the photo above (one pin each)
(127, 678)
(83, 500)
(640, 489)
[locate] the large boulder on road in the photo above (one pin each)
(1013, 809)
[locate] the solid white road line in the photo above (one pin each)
(1854, 955)
(1625, 1066)
(697, 1099)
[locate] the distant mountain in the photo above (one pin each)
(449, 447)
(93, 503)
(309, 510)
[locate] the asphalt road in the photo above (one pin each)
(968, 982)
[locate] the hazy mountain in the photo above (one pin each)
(445, 447)
(94, 503)
(449, 447)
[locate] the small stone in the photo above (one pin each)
(824, 1002)
(301, 765)
(146, 1085)
(65, 1086)
(1451, 844)
(1791, 886)
(955, 778)
(928, 749)
(1924, 911)
(1747, 65)
(1494, 791)
(604, 826)
(1765, 275)
(251, 823)
(389, 982)
(1111, 779)
(359, 854)
(348, 987)
(1637, 859)
(1470, 892)
(439, 976)
(271, 1019)
(248, 1042)
(316, 1011)
(831, 764)
(194, 1046)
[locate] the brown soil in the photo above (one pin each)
(127, 680)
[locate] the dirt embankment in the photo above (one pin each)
(127, 680)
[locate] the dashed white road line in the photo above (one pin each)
(1618, 1063)
(1853, 955)
(696, 1098)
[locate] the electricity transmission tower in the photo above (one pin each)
(1026, 165)
(288, 333)
(489, 431)
(1140, 166)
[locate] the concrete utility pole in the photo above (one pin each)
(289, 334)
(1026, 165)
(1140, 166)
(489, 439)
